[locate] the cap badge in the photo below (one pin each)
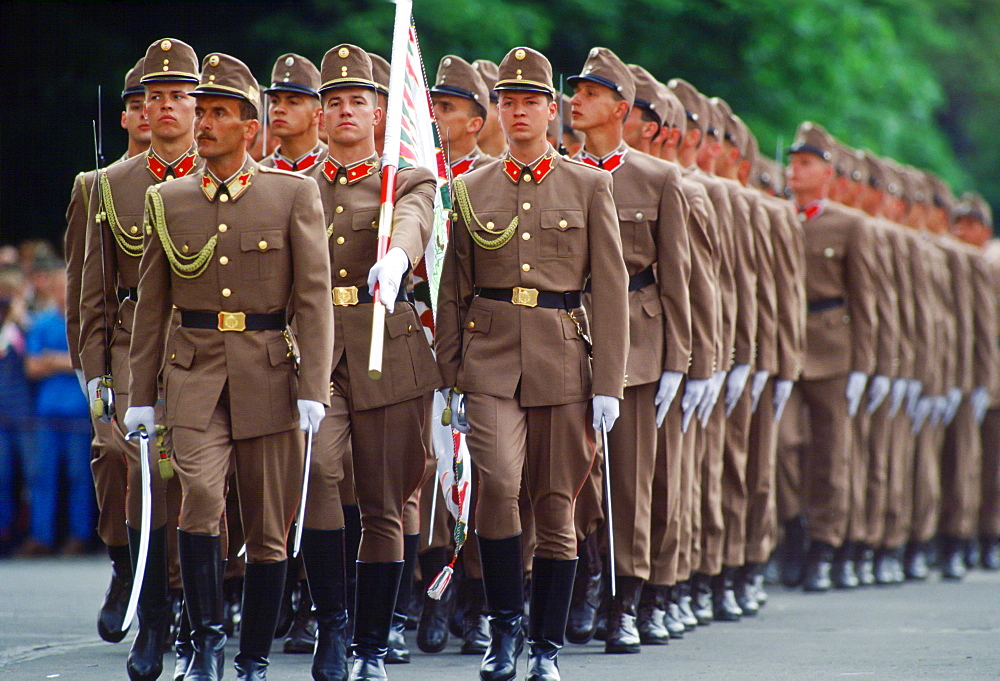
(343, 52)
(446, 62)
(213, 60)
(165, 45)
(519, 55)
(289, 61)
(594, 52)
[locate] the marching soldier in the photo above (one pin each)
(107, 466)
(294, 113)
(380, 423)
(652, 214)
(491, 140)
(513, 339)
(107, 306)
(236, 249)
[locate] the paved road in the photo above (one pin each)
(935, 631)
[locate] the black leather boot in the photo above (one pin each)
(794, 552)
(623, 636)
(673, 619)
(551, 591)
(201, 572)
(145, 659)
(745, 589)
(701, 598)
(232, 594)
(301, 636)
(972, 553)
(842, 572)
(432, 629)
(323, 557)
(586, 592)
(651, 615)
(376, 599)
(263, 584)
(818, 563)
(112, 612)
(503, 584)
(684, 604)
(864, 565)
(398, 652)
(916, 564)
(475, 628)
(724, 606)
(989, 552)
(183, 649)
(953, 559)
(352, 543)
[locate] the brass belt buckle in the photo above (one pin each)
(232, 321)
(345, 295)
(525, 296)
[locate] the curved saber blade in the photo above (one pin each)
(607, 495)
(144, 530)
(305, 491)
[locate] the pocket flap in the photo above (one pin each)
(650, 297)
(189, 244)
(401, 324)
(277, 352)
(364, 219)
(497, 221)
(182, 354)
(478, 321)
(262, 241)
(562, 220)
(637, 213)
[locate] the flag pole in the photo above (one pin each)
(390, 163)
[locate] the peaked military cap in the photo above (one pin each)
(725, 127)
(695, 106)
(972, 205)
(294, 73)
(878, 178)
(170, 59)
(938, 192)
(346, 66)
(646, 95)
(133, 80)
(525, 69)
(380, 73)
(560, 126)
(894, 176)
(674, 114)
(813, 139)
(458, 77)
(488, 72)
(860, 171)
(228, 77)
(605, 68)
(715, 120)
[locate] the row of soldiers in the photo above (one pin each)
(653, 287)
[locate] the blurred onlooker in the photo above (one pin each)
(15, 397)
(36, 254)
(62, 432)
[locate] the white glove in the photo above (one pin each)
(605, 408)
(925, 405)
(82, 381)
(939, 409)
(311, 413)
(980, 403)
(458, 419)
(954, 398)
(694, 393)
(136, 417)
(388, 272)
(899, 389)
(782, 391)
(855, 389)
(105, 393)
(877, 392)
(913, 397)
(757, 388)
(670, 381)
(736, 382)
(711, 397)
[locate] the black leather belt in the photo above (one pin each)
(530, 297)
(637, 281)
(232, 321)
(124, 293)
(825, 304)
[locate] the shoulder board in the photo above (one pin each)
(279, 171)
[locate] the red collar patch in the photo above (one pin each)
(462, 167)
(304, 163)
(812, 210)
(160, 170)
(513, 169)
(356, 172)
(611, 163)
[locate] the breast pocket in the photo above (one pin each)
(365, 220)
(486, 232)
(262, 253)
(636, 225)
(189, 244)
(563, 234)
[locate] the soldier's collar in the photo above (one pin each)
(230, 189)
(162, 170)
(304, 162)
(464, 164)
(611, 162)
(352, 173)
(812, 210)
(537, 169)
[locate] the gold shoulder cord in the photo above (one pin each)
(185, 266)
(131, 244)
(85, 194)
(502, 236)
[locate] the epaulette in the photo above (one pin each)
(279, 171)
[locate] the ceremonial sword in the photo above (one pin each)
(144, 528)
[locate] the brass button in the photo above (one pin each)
(339, 209)
(149, 230)
(563, 224)
(341, 240)
(342, 273)
(213, 60)
(226, 293)
(184, 248)
(470, 325)
(262, 245)
(489, 225)
(409, 328)
(173, 355)
(223, 227)
(525, 267)
(134, 229)
(527, 177)
(828, 252)
(526, 206)
(526, 236)
(342, 180)
(638, 216)
(223, 260)
(224, 198)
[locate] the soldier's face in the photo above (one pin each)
(170, 109)
(292, 114)
(808, 173)
(218, 128)
(455, 117)
(134, 119)
(971, 231)
(350, 115)
(525, 116)
(595, 105)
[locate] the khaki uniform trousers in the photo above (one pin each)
(712, 529)
(109, 468)
(860, 469)
(899, 483)
(989, 511)
(734, 482)
(693, 453)
(878, 491)
(761, 511)
(927, 483)
(552, 447)
(268, 472)
(669, 483)
(961, 465)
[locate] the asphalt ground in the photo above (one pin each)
(931, 631)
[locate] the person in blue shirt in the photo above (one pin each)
(62, 433)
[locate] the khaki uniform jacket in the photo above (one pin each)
(766, 341)
(886, 301)
(118, 266)
(789, 282)
(703, 236)
(74, 246)
(960, 264)
(840, 339)
(926, 313)
(351, 210)
(986, 354)
(269, 256)
(567, 232)
(991, 258)
(900, 242)
(744, 271)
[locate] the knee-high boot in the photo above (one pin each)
(551, 591)
(201, 573)
(503, 583)
(263, 584)
(376, 598)
(145, 659)
(323, 556)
